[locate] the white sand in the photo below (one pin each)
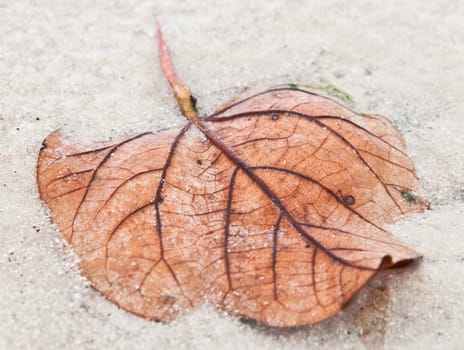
(93, 69)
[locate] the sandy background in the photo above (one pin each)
(92, 68)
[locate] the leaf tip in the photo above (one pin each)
(388, 262)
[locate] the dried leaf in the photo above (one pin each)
(272, 208)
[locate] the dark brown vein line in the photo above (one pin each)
(158, 199)
(214, 139)
(144, 279)
(350, 233)
(314, 119)
(215, 114)
(68, 193)
(97, 167)
(275, 236)
(227, 227)
(367, 131)
(326, 189)
(211, 117)
(121, 185)
(116, 228)
(313, 275)
(90, 151)
(260, 139)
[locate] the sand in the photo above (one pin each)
(92, 69)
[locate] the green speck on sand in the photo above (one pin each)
(337, 92)
(327, 88)
(408, 196)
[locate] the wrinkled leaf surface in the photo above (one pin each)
(277, 213)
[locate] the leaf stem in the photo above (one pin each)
(181, 92)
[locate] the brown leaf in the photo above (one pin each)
(271, 208)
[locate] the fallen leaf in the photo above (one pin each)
(272, 208)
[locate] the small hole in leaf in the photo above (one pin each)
(275, 117)
(349, 199)
(160, 200)
(199, 162)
